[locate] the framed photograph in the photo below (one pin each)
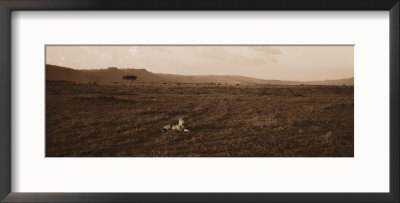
(195, 101)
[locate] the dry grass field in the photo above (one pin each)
(90, 120)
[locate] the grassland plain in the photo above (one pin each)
(90, 120)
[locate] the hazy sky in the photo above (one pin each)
(302, 63)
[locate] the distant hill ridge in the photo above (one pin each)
(114, 74)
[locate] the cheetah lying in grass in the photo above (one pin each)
(179, 127)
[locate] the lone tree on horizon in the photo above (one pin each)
(131, 78)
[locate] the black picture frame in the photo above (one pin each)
(7, 6)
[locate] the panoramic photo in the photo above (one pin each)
(199, 101)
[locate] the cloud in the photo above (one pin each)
(270, 62)
(244, 55)
(162, 57)
(267, 50)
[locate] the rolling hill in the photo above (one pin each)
(113, 74)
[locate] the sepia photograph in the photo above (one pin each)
(199, 101)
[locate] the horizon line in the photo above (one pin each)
(118, 68)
